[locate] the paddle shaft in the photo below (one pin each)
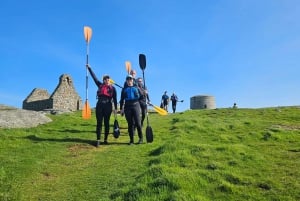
(86, 77)
(118, 85)
(142, 61)
(146, 100)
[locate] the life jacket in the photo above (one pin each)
(105, 90)
(131, 93)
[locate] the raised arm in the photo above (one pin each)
(97, 82)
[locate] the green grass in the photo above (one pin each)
(222, 154)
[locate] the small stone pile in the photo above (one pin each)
(11, 117)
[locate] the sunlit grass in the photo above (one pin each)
(222, 154)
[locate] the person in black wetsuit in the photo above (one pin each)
(174, 100)
(106, 94)
(144, 98)
(165, 101)
(130, 106)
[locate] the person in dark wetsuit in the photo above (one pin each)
(174, 100)
(144, 98)
(131, 108)
(165, 101)
(106, 94)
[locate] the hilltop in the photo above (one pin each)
(221, 154)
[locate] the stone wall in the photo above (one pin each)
(37, 100)
(63, 98)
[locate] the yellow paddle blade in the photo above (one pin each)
(87, 33)
(159, 110)
(128, 66)
(111, 81)
(86, 111)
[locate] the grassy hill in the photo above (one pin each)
(223, 154)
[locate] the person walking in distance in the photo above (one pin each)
(165, 101)
(144, 98)
(174, 100)
(106, 95)
(130, 106)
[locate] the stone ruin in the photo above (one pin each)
(64, 97)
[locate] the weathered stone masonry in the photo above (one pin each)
(63, 98)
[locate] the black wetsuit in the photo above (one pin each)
(103, 107)
(174, 100)
(130, 95)
(143, 101)
(165, 101)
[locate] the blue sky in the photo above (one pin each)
(240, 51)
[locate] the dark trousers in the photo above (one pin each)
(174, 107)
(165, 105)
(103, 112)
(133, 118)
(143, 111)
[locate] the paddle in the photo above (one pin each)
(116, 127)
(142, 61)
(149, 132)
(159, 110)
(111, 81)
(128, 66)
(86, 111)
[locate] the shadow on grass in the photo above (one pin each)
(34, 138)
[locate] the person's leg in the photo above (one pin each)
(107, 113)
(137, 119)
(166, 105)
(173, 107)
(99, 117)
(129, 119)
(144, 111)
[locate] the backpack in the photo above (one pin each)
(105, 90)
(131, 93)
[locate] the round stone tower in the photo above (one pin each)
(202, 102)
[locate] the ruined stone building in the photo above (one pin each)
(64, 97)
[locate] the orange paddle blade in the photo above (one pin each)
(86, 111)
(87, 33)
(128, 66)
